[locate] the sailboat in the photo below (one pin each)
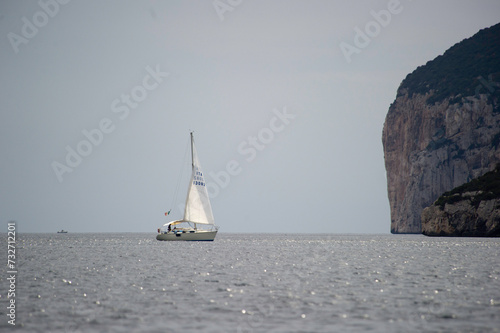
(198, 221)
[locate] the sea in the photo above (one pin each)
(130, 282)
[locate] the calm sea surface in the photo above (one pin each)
(254, 283)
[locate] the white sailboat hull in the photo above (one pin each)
(198, 235)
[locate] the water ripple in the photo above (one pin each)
(256, 283)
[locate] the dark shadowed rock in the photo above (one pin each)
(472, 209)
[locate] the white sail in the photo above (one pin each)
(198, 208)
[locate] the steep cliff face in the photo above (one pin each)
(443, 129)
(472, 209)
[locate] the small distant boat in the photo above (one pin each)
(62, 232)
(197, 211)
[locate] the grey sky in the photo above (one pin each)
(236, 69)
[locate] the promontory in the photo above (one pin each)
(443, 130)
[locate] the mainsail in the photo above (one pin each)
(198, 208)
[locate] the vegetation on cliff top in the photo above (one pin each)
(488, 185)
(468, 68)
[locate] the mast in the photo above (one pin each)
(192, 153)
(192, 164)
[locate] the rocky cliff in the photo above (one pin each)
(472, 209)
(443, 129)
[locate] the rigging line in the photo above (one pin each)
(180, 177)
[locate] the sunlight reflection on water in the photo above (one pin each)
(256, 283)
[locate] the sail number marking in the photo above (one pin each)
(198, 177)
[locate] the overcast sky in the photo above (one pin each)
(287, 100)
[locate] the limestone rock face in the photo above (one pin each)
(443, 129)
(432, 149)
(463, 219)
